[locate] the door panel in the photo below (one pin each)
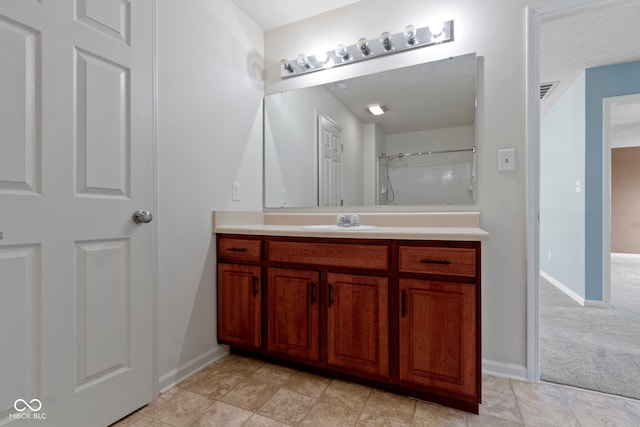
(112, 18)
(293, 326)
(239, 304)
(20, 152)
(357, 323)
(19, 324)
(102, 138)
(437, 335)
(102, 293)
(76, 160)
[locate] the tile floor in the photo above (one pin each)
(239, 391)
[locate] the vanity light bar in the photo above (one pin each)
(410, 38)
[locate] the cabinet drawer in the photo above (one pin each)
(243, 249)
(435, 260)
(332, 254)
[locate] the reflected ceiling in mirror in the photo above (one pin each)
(431, 107)
(434, 95)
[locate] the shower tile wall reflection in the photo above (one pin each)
(438, 179)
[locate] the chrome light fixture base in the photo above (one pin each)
(368, 49)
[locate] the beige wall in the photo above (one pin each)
(625, 200)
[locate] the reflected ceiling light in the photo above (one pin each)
(435, 33)
(378, 110)
(385, 39)
(363, 45)
(410, 34)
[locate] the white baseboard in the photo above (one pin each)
(595, 303)
(620, 255)
(504, 370)
(179, 374)
(182, 372)
(570, 293)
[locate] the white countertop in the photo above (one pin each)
(408, 233)
(253, 224)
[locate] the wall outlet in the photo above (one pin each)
(507, 159)
(578, 186)
(235, 192)
(549, 254)
(285, 196)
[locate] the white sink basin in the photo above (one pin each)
(332, 227)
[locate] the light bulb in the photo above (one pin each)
(321, 57)
(410, 34)
(341, 52)
(303, 61)
(385, 39)
(436, 28)
(286, 66)
(363, 45)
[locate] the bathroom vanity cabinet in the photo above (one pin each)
(400, 315)
(240, 322)
(293, 313)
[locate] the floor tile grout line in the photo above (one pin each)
(515, 397)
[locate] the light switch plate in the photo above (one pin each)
(235, 192)
(507, 159)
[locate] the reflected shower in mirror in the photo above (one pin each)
(323, 145)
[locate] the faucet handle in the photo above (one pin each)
(342, 220)
(354, 220)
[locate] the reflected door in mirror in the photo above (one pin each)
(330, 162)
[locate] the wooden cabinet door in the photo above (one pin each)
(293, 324)
(239, 305)
(357, 323)
(438, 335)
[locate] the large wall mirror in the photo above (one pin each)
(323, 147)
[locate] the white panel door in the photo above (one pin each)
(76, 160)
(329, 162)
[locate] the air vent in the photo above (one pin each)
(340, 85)
(545, 88)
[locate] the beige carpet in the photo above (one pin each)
(589, 347)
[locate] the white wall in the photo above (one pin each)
(374, 145)
(456, 138)
(495, 29)
(209, 67)
(562, 208)
(292, 118)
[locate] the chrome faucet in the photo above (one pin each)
(343, 220)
